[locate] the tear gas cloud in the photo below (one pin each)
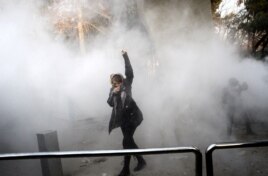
(44, 77)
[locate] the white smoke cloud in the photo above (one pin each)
(43, 78)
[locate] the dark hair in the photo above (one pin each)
(117, 78)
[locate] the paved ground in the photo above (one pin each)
(82, 135)
(246, 162)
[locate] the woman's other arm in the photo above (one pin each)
(128, 68)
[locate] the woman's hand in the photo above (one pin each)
(123, 52)
(116, 89)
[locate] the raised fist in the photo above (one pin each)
(123, 52)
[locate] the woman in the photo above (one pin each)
(125, 114)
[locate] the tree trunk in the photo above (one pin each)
(262, 40)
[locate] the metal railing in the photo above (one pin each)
(101, 153)
(213, 147)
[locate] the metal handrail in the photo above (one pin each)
(100, 153)
(213, 147)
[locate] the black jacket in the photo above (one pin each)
(125, 110)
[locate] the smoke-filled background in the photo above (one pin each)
(53, 81)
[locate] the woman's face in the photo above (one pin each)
(116, 84)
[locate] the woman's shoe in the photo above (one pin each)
(140, 166)
(124, 172)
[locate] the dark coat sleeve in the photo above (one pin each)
(128, 69)
(110, 100)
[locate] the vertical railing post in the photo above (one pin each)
(209, 161)
(48, 141)
(198, 162)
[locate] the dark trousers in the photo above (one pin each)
(246, 118)
(128, 131)
(230, 124)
